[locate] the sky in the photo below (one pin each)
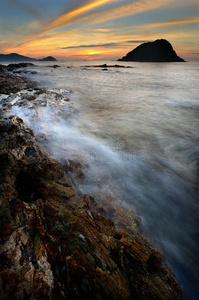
(97, 29)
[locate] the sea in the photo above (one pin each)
(136, 132)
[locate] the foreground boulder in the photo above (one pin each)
(157, 51)
(54, 242)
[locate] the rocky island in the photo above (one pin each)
(157, 51)
(57, 243)
(48, 58)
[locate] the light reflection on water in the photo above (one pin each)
(139, 128)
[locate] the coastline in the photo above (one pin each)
(58, 242)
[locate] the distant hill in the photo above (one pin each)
(14, 57)
(157, 51)
(49, 58)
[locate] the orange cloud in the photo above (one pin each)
(44, 40)
(67, 18)
(170, 23)
(99, 17)
(125, 10)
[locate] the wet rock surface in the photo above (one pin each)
(11, 83)
(12, 67)
(56, 243)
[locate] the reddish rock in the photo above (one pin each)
(54, 242)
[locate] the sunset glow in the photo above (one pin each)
(103, 29)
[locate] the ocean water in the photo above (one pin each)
(136, 131)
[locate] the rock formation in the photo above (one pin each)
(108, 66)
(10, 83)
(157, 51)
(56, 244)
(12, 67)
(49, 58)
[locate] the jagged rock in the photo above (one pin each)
(157, 51)
(2, 69)
(12, 67)
(54, 242)
(10, 83)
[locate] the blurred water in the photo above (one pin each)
(138, 131)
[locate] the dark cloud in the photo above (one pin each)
(92, 46)
(28, 8)
(136, 42)
(101, 45)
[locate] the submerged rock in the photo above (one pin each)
(157, 51)
(54, 66)
(105, 66)
(55, 244)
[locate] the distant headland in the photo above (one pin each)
(15, 57)
(157, 51)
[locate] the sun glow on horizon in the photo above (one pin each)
(87, 30)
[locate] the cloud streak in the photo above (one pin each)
(69, 17)
(96, 24)
(171, 22)
(92, 46)
(105, 45)
(125, 10)
(120, 11)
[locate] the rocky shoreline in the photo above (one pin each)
(57, 243)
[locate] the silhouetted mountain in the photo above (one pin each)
(14, 57)
(157, 51)
(49, 58)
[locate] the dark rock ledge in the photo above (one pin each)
(54, 243)
(11, 83)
